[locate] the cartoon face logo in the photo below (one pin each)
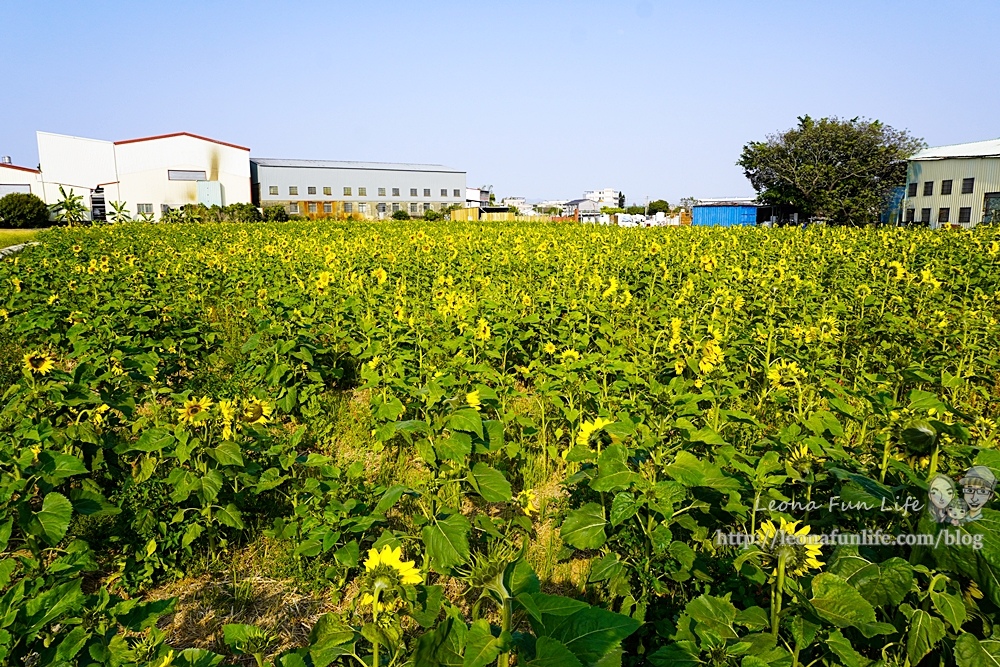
(947, 506)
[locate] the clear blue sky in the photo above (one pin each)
(539, 99)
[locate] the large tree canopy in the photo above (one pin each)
(840, 170)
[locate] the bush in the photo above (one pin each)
(400, 215)
(432, 215)
(275, 214)
(23, 210)
(242, 213)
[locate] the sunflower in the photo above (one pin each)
(256, 411)
(528, 500)
(785, 374)
(390, 562)
(194, 407)
(473, 399)
(38, 363)
(800, 550)
(594, 431)
(801, 459)
(227, 410)
(550, 348)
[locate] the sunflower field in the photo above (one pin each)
(499, 444)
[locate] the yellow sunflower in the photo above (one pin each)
(594, 430)
(473, 399)
(256, 411)
(38, 363)
(193, 407)
(390, 560)
(799, 549)
(528, 500)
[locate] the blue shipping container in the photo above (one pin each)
(723, 216)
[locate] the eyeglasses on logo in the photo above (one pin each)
(956, 505)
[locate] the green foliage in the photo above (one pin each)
(69, 210)
(400, 215)
(19, 210)
(275, 214)
(658, 206)
(838, 170)
(432, 215)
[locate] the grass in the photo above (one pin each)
(9, 237)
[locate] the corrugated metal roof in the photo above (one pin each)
(344, 164)
(14, 166)
(988, 148)
(181, 134)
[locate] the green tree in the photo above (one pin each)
(400, 215)
(635, 210)
(119, 212)
(241, 213)
(658, 206)
(70, 209)
(20, 209)
(432, 215)
(621, 200)
(840, 170)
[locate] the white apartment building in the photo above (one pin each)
(607, 197)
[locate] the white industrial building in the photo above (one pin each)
(478, 197)
(954, 185)
(365, 189)
(149, 175)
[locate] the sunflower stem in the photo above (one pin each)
(776, 592)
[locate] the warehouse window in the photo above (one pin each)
(347, 192)
(328, 191)
(362, 208)
(312, 207)
(293, 190)
(395, 207)
(381, 192)
(967, 185)
(348, 208)
(362, 192)
(928, 188)
(965, 214)
(164, 209)
(944, 214)
(413, 208)
(395, 192)
(925, 216)
(444, 192)
(427, 192)
(455, 193)
(910, 213)
(293, 208)
(911, 190)
(311, 189)
(380, 208)
(144, 208)
(946, 187)
(272, 190)
(427, 207)
(185, 175)
(327, 207)
(413, 192)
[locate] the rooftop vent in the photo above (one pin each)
(5, 159)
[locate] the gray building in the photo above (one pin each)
(318, 188)
(956, 185)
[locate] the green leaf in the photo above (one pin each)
(842, 648)
(455, 447)
(884, 584)
(230, 516)
(553, 653)
(490, 483)
(52, 521)
(951, 607)
(613, 471)
(481, 647)
(924, 634)
(690, 471)
(590, 633)
(196, 657)
(55, 466)
(715, 613)
(972, 652)
(227, 454)
(623, 508)
(837, 602)
(584, 527)
(605, 568)
(152, 440)
(447, 542)
(676, 654)
(466, 420)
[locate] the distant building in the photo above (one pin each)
(954, 185)
(585, 208)
(150, 175)
(522, 206)
(478, 197)
(366, 189)
(606, 197)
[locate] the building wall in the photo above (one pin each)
(76, 164)
(19, 179)
(723, 216)
(143, 167)
(338, 178)
(985, 171)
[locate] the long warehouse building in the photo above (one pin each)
(365, 189)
